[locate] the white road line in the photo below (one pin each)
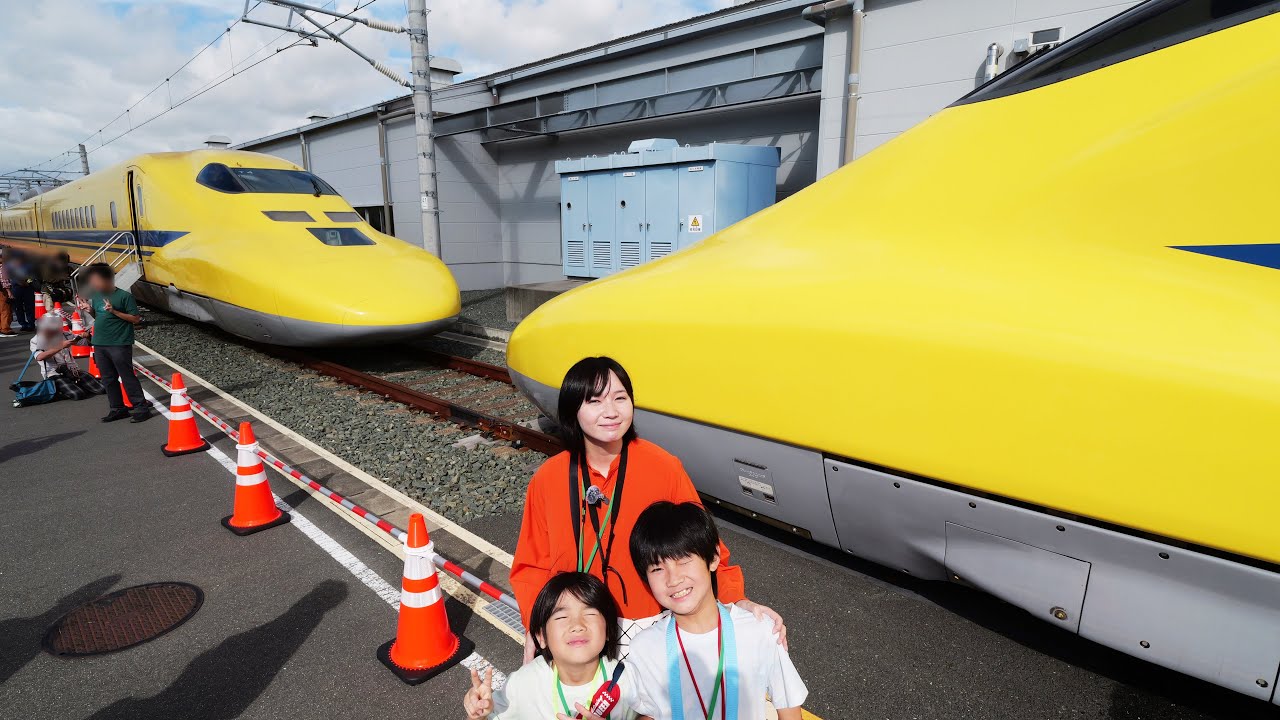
(365, 574)
(456, 589)
(434, 519)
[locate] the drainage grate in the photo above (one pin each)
(123, 619)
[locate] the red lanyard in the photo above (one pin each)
(718, 684)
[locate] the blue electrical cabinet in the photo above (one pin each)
(618, 211)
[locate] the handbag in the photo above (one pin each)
(32, 392)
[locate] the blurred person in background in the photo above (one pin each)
(6, 297)
(23, 281)
(114, 314)
(52, 348)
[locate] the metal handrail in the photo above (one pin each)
(124, 256)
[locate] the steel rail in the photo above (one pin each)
(377, 521)
(444, 409)
(466, 365)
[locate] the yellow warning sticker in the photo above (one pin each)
(695, 223)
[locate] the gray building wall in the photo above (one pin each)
(918, 56)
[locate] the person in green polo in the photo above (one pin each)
(114, 314)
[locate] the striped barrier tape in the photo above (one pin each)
(399, 534)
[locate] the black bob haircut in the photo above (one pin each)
(587, 378)
(593, 593)
(101, 270)
(667, 531)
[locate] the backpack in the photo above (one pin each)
(32, 392)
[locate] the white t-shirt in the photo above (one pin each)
(764, 669)
(530, 694)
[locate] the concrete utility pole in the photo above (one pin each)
(421, 86)
(424, 123)
(84, 159)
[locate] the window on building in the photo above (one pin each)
(382, 222)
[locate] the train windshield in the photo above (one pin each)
(1145, 28)
(262, 180)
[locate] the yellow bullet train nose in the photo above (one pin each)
(248, 242)
(1032, 344)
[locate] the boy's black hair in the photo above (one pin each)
(587, 379)
(667, 531)
(593, 593)
(102, 270)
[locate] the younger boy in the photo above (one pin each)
(702, 660)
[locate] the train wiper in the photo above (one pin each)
(314, 184)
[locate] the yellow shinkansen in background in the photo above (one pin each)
(249, 242)
(1032, 345)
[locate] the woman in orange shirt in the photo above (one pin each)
(582, 504)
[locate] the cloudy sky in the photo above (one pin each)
(70, 68)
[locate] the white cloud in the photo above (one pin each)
(67, 67)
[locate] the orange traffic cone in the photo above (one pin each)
(254, 507)
(40, 310)
(424, 645)
(93, 366)
(184, 436)
(77, 329)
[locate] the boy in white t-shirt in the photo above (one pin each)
(701, 660)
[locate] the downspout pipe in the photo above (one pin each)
(820, 14)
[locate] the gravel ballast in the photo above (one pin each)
(410, 450)
(487, 308)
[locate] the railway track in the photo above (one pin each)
(461, 390)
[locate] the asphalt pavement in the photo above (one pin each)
(285, 630)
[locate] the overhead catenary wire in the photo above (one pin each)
(217, 81)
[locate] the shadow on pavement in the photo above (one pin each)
(19, 448)
(20, 637)
(224, 682)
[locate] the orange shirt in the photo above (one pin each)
(547, 545)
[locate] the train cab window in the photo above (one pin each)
(282, 181)
(262, 180)
(337, 237)
(1145, 28)
(218, 177)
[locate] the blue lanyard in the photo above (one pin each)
(675, 668)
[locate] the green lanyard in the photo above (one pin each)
(599, 536)
(709, 708)
(560, 688)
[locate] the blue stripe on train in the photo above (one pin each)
(1263, 254)
(71, 238)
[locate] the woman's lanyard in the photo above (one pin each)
(560, 688)
(725, 687)
(579, 487)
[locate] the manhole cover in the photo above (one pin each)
(123, 619)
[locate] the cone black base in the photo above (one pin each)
(417, 677)
(226, 523)
(175, 453)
